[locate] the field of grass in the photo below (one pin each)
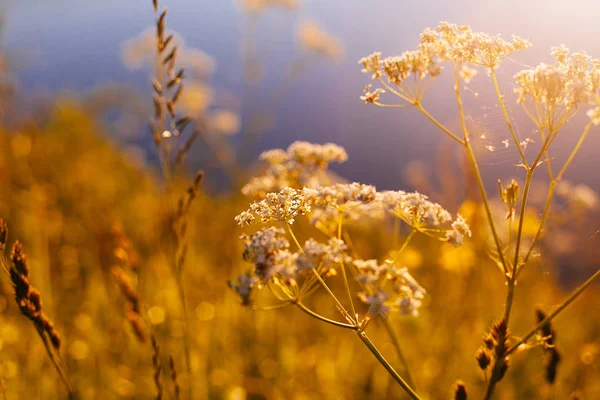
(133, 280)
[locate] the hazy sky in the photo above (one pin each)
(75, 44)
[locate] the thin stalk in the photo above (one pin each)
(318, 276)
(471, 154)
(409, 376)
(272, 307)
(575, 150)
(438, 124)
(324, 319)
(61, 373)
(186, 332)
(556, 311)
(551, 191)
(507, 118)
(538, 233)
(346, 283)
(371, 346)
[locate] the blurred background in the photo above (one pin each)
(77, 164)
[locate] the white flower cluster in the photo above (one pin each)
(403, 293)
(303, 164)
(328, 207)
(283, 206)
(447, 42)
(244, 287)
(425, 216)
(269, 251)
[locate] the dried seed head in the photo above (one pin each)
(552, 360)
(19, 259)
(546, 331)
(28, 298)
(483, 358)
(504, 368)
(489, 341)
(157, 368)
(510, 196)
(3, 235)
(499, 332)
(176, 387)
(460, 391)
(552, 356)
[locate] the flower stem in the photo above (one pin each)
(438, 124)
(554, 313)
(318, 276)
(344, 275)
(507, 118)
(390, 329)
(324, 319)
(371, 346)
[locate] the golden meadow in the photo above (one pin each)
(126, 281)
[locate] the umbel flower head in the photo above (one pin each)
(388, 288)
(283, 206)
(290, 275)
(268, 251)
(549, 92)
(447, 42)
(302, 165)
(425, 216)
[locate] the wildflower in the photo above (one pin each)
(414, 208)
(409, 293)
(377, 302)
(560, 87)
(460, 229)
(268, 251)
(371, 64)
(371, 97)
(594, 115)
(283, 206)
(369, 271)
(510, 196)
(244, 287)
(301, 165)
(312, 37)
(340, 195)
(325, 257)
(467, 73)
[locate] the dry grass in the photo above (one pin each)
(133, 271)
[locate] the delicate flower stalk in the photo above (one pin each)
(292, 276)
(550, 95)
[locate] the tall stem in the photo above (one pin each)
(507, 118)
(556, 311)
(324, 319)
(438, 124)
(371, 346)
(346, 283)
(320, 279)
(409, 376)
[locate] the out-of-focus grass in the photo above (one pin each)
(64, 187)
